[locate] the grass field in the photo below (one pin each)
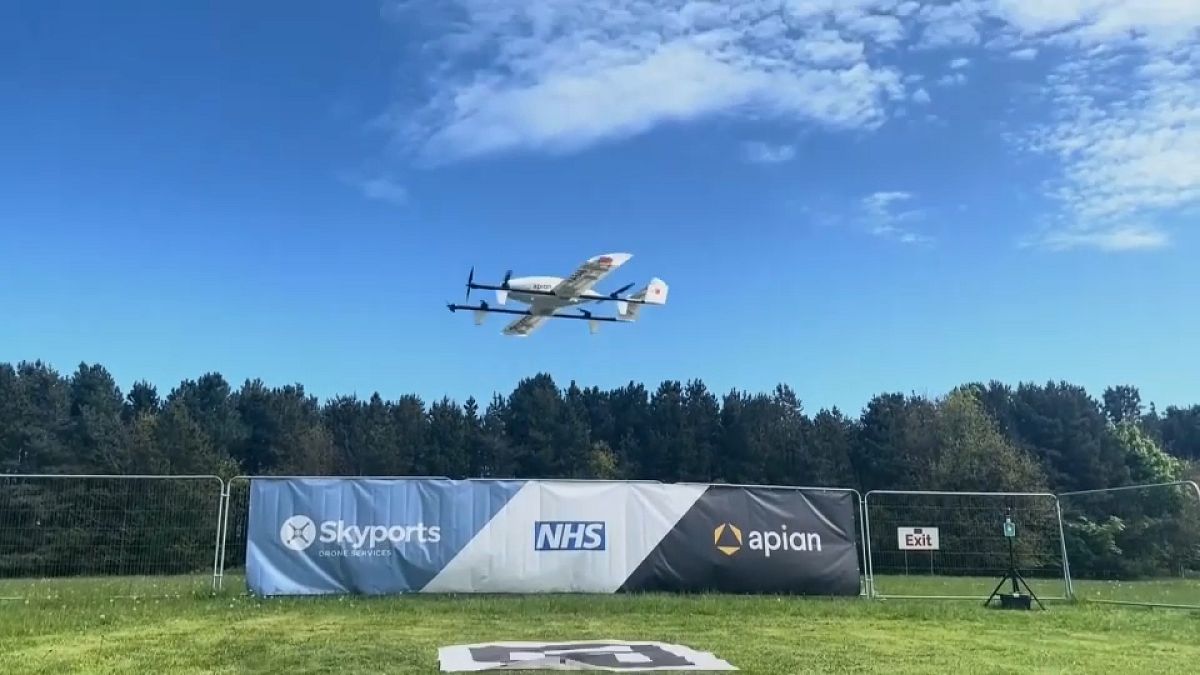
(76, 626)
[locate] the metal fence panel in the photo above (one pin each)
(108, 535)
(1137, 544)
(970, 552)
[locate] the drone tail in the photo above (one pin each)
(653, 294)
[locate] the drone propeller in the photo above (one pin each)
(615, 294)
(507, 277)
(470, 283)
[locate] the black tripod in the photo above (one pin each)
(1013, 600)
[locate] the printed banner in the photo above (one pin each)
(371, 536)
(604, 655)
(757, 540)
(383, 536)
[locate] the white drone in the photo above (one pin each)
(547, 296)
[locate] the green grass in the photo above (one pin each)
(1165, 591)
(75, 626)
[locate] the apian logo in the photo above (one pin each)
(568, 535)
(727, 544)
(728, 539)
(298, 532)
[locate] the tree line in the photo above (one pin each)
(1028, 437)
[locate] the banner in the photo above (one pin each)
(383, 536)
(757, 540)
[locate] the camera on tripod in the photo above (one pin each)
(1015, 599)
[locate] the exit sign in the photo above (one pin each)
(917, 538)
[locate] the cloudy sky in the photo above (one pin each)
(847, 195)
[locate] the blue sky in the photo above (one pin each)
(848, 196)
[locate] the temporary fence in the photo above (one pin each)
(126, 535)
(170, 535)
(929, 544)
(1137, 545)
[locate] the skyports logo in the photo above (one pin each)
(728, 539)
(568, 535)
(300, 532)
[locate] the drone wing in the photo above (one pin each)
(525, 325)
(589, 274)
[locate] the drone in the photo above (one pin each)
(555, 297)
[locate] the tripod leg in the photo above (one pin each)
(1030, 590)
(997, 589)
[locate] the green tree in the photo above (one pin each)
(548, 438)
(629, 408)
(12, 413)
(974, 456)
(830, 442)
(897, 443)
(786, 457)
(602, 463)
(1147, 462)
(178, 442)
(668, 443)
(281, 425)
(1123, 404)
(702, 413)
(735, 453)
(345, 418)
(97, 434)
(495, 455)
(447, 451)
(410, 434)
(39, 428)
(1064, 428)
(1180, 432)
(210, 404)
(141, 399)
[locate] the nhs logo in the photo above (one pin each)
(568, 535)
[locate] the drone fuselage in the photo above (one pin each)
(519, 290)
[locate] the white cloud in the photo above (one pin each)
(382, 188)
(1160, 22)
(766, 153)
(560, 76)
(949, 34)
(1117, 239)
(954, 24)
(880, 203)
(883, 217)
(1128, 139)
